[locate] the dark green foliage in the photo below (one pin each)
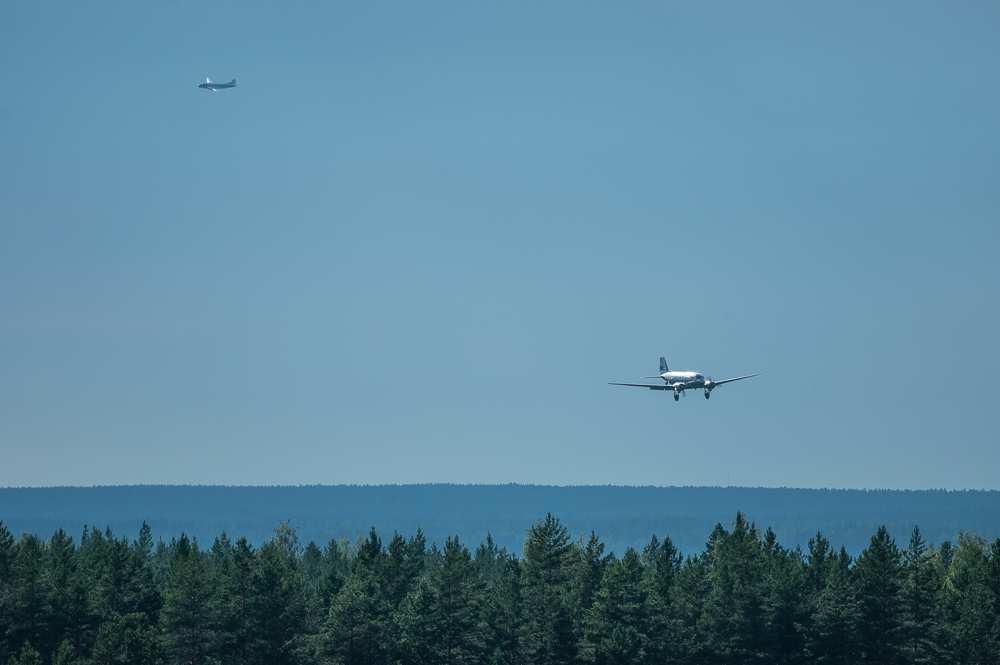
(232, 577)
(785, 605)
(7, 553)
(65, 654)
(588, 574)
(190, 624)
(439, 621)
(357, 630)
(70, 617)
(970, 606)
(128, 639)
(688, 596)
(922, 584)
(878, 580)
(276, 606)
(744, 599)
(547, 594)
(30, 612)
(27, 656)
(663, 562)
(733, 618)
(502, 612)
(420, 623)
(819, 564)
(831, 630)
(617, 624)
(663, 581)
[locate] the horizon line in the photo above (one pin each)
(489, 485)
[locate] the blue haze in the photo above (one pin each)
(418, 238)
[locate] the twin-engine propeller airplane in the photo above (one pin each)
(681, 380)
(209, 85)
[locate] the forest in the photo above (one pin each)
(623, 516)
(742, 598)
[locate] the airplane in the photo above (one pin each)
(681, 380)
(208, 85)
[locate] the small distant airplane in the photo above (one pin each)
(209, 85)
(681, 380)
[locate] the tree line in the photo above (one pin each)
(744, 598)
(623, 516)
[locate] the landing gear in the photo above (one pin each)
(677, 396)
(708, 394)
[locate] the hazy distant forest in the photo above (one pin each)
(623, 516)
(744, 598)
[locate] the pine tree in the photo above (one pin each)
(122, 592)
(687, 605)
(190, 627)
(127, 639)
(111, 575)
(276, 606)
(733, 619)
(458, 594)
(488, 560)
(316, 600)
(143, 594)
(993, 582)
(233, 601)
(617, 624)
(921, 588)
(994, 572)
(71, 619)
(336, 568)
(831, 631)
(502, 614)
(66, 654)
(8, 552)
(28, 655)
(416, 555)
(662, 563)
(357, 629)
(439, 621)
(786, 609)
(548, 562)
(370, 556)
(402, 565)
(818, 564)
(878, 577)
(31, 613)
(588, 573)
(969, 604)
(419, 623)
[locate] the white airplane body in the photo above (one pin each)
(211, 85)
(680, 380)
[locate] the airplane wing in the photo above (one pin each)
(641, 385)
(736, 378)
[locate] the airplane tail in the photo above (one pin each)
(663, 365)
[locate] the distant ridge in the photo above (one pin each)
(621, 515)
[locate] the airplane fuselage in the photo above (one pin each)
(686, 378)
(209, 84)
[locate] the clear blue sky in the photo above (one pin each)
(418, 239)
